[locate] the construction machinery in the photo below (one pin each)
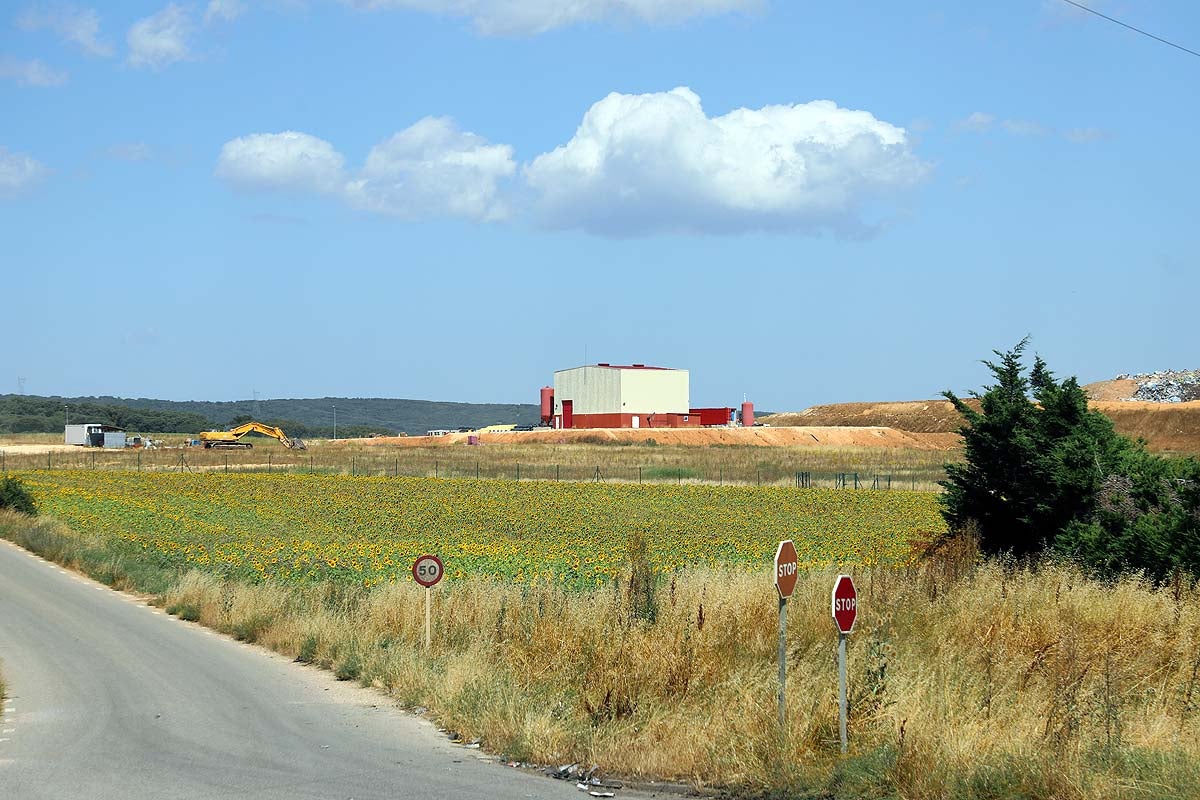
(231, 439)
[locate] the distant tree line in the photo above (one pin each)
(28, 414)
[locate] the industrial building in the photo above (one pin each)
(628, 396)
(94, 434)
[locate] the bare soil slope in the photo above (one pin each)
(1122, 389)
(808, 436)
(1166, 427)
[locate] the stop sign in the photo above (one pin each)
(786, 568)
(845, 603)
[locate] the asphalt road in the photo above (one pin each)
(110, 699)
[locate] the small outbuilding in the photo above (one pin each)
(94, 434)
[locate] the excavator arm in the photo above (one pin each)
(230, 437)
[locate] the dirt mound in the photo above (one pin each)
(1120, 389)
(1166, 427)
(807, 436)
(917, 416)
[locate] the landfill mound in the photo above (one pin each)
(915, 416)
(1167, 427)
(1169, 386)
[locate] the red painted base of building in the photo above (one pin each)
(630, 421)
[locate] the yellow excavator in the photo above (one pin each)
(233, 438)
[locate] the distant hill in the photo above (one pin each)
(299, 417)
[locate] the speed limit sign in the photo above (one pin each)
(428, 570)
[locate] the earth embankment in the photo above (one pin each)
(1166, 427)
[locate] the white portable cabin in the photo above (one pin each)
(94, 434)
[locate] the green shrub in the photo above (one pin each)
(14, 495)
(1044, 471)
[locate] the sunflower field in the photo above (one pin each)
(368, 530)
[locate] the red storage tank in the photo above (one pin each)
(547, 405)
(748, 415)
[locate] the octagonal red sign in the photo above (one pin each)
(786, 568)
(845, 603)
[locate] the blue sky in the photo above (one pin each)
(800, 202)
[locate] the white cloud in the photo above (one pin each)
(160, 39)
(428, 169)
(78, 25)
(223, 11)
(17, 171)
(981, 122)
(282, 161)
(1085, 135)
(1021, 127)
(434, 168)
(523, 17)
(655, 162)
(131, 151)
(31, 73)
(977, 122)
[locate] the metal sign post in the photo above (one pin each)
(427, 571)
(845, 612)
(786, 562)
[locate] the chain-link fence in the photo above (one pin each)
(700, 469)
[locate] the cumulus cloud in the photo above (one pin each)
(282, 161)
(161, 39)
(18, 171)
(78, 25)
(434, 168)
(223, 11)
(429, 169)
(31, 73)
(525, 17)
(656, 162)
(977, 122)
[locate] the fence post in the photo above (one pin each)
(721, 475)
(557, 471)
(227, 463)
(476, 470)
(435, 469)
(639, 474)
(139, 460)
(518, 470)
(47, 460)
(268, 463)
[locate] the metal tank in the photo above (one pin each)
(547, 405)
(748, 415)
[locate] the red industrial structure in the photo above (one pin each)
(628, 396)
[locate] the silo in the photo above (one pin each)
(748, 414)
(547, 405)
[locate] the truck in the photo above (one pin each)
(232, 439)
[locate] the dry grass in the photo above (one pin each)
(907, 469)
(968, 680)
